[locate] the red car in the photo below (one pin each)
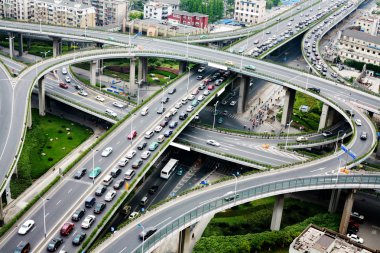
(67, 228)
(132, 135)
(63, 85)
(206, 81)
(210, 87)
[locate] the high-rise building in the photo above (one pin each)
(158, 11)
(108, 12)
(249, 11)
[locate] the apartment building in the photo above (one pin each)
(190, 19)
(173, 3)
(359, 46)
(108, 12)
(14, 9)
(368, 24)
(249, 11)
(157, 10)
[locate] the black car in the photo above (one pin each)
(313, 89)
(78, 87)
(183, 116)
(99, 207)
(165, 100)
(153, 189)
(350, 112)
(118, 184)
(161, 110)
(172, 91)
(79, 213)
(79, 238)
(101, 189)
(142, 145)
(137, 164)
(147, 233)
(80, 173)
(54, 244)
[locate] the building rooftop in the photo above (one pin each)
(321, 240)
(171, 2)
(186, 13)
(66, 3)
(361, 36)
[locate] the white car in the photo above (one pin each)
(88, 221)
(213, 143)
(173, 111)
(200, 98)
(355, 238)
(358, 122)
(99, 98)
(184, 100)
(110, 195)
(201, 69)
(67, 79)
(133, 215)
(178, 105)
(206, 93)
(232, 103)
(145, 155)
(118, 105)
(83, 93)
(25, 227)
(131, 154)
(190, 97)
(107, 151)
(111, 113)
(123, 161)
(158, 129)
(190, 108)
(64, 71)
(301, 138)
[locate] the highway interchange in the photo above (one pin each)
(145, 46)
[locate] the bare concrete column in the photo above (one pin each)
(132, 77)
(182, 67)
(93, 65)
(20, 45)
(243, 93)
(184, 241)
(347, 212)
(8, 192)
(11, 45)
(41, 96)
(331, 117)
(287, 111)
(28, 44)
(142, 69)
(29, 118)
(277, 213)
(334, 200)
(56, 46)
(378, 151)
(323, 118)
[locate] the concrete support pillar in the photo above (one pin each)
(346, 212)
(323, 118)
(378, 151)
(28, 44)
(57, 46)
(334, 200)
(8, 192)
(93, 65)
(124, 25)
(182, 67)
(243, 93)
(331, 117)
(99, 67)
(184, 241)
(11, 45)
(132, 77)
(29, 118)
(287, 112)
(20, 45)
(142, 69)
(41, 96)
(277, 213)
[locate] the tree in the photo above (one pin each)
(136, 15)
(213, 8)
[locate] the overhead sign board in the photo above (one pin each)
(181, 146)
(218, 66)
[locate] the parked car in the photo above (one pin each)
(355, 238)
(136, 164)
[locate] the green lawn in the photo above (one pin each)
(50, 139)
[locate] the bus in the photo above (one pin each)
(169, 168)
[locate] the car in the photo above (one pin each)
(229, 196)
(213, 143)
(79, 238)
(172, 91)
(355, 238)
(201, 69)
(184, 101)
(95, 172)
(220, 120)
(224, 102)
(99, 207)
(110, 195)
(131, 154)
(88, 221)
(25, 227)
(100, 190)
(164, 100)
(111, 113)
(132, 135)
(142, 145)
(352, 230)
(67, 228)
(64, 71)
(67, 79)
(126, 210)
(153, 146)
(200, 97)
(78, 214)
(183, 116)
(168, 133)
(158, 129)
(118, 184)
(267, 32)
(123, 161)
(358, 122)
(206, 93)
(99, 98)
(107, 151)
(179, 172)
(54, 244)
(152, 190)
(327, 133)
(210, 87)
(145, 155)
(115, 172)
(173, 111)
(301, 139)
(350, 113)
(313, 89)
(133, 215)
(232, 103)
(178, 105)
(195, 103)
(173, 124)
(250, 67)
(137, 164)
(196, 117)
(190, 108)
(161, 110)
(83, 93)
(200, 77)
(357, 216)
(80, 173)
(164, 123)
(118, 105)
(334, 75)
(63, 85)
(363, 136)
(78, 87)
(147, 232)
(22, 247)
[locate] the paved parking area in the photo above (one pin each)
(371, 235)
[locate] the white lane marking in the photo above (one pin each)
(70, 190)
(317, 169)
(33, 229)
(117, 143)
(75, 233)
(100, 159)
(47, 215)
(123, 250)
(58, 203)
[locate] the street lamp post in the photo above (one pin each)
(44, 210)
(287, 136)
(143, 236)
(45, 53)
(93, 163)
(216, 104)
(187, 58)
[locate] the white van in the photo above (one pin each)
(143, 201)
(107, 180)
(161, 138)
(144, 111)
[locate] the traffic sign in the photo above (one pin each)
(344, 148)
(352, 154)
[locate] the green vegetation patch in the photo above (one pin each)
(50, 139)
